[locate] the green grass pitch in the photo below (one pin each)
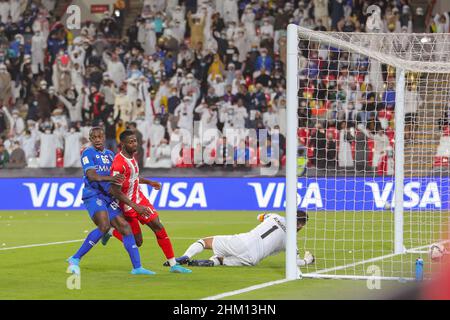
(38, 272)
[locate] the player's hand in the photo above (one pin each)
(155, 185)
(143, 211)
(118, 179)
(309, 258)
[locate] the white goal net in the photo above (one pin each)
(371, 116)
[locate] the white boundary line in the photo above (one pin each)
(248, 289)
(41, 244)
(71, 241)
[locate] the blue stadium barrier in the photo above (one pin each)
(237, 193)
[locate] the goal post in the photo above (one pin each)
(368, 108)
(291, 151)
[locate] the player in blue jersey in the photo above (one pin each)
(102, 207)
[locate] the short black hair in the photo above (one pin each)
(91, 132)
(132, 123)
(302, 217)
(124, 135)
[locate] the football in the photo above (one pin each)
(437, 251)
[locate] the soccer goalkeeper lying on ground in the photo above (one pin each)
(247, 249)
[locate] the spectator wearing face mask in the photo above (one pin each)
(38, 47)
(17, 159)
(16, 123)
(49, 142)
(156, 135)
(248, 19)
(123, 107)
(73, 105)
(208, 117)
(115, 68)
(28, 142)
(72, 143)
(264, 61)
(162, 156)
(185, 113)
(230, 11)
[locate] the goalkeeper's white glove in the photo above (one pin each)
(307, 259)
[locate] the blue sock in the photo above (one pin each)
(130, 245)
(89, 243)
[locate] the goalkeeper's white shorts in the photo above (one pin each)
(234, 250)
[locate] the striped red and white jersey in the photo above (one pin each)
(130, 170)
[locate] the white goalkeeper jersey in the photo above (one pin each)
(269, 237)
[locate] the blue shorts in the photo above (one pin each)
(94, 205)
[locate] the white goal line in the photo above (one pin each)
(323, 273)
(244, 290)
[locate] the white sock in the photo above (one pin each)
(216, 260)
(172, 262)
(195, 248)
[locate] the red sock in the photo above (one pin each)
(117, 235)
(164, 243)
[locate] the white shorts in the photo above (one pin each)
(234, 250)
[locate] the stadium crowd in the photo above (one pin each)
(220, 62)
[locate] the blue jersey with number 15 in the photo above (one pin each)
(101, 162)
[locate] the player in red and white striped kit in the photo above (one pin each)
(135, 206)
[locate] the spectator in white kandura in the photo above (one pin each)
(267, 28)
(248, 19)
(230, 11)
(38, 46)
(28, 142)
(156, 135)
(381, 147)
(15, 10)
(4, 11)
(345, 146)
(122, 106)
(147, 37)
(73, 104)
(218, 84)
(49, 142)
(243, 42)
(108, 89)
(185, 113)
(72, 150)
(321, 12)
(178, 15)
(162, 158)
(49, 4)
(115, 68)
(16, 123)
(271, 118)
(413, 102)
(208, 117)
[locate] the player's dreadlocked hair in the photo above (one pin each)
(124, 135)
(302, 217)
(93, 129)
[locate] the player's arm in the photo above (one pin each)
(88, 164)
(307, 259)
(116, 191)
(154, 184)
(263, 216)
